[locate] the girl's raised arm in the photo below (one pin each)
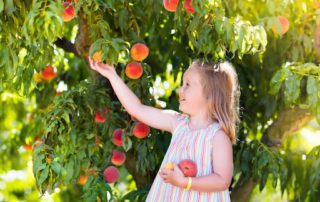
(154, 117)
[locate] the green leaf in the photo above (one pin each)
(70, 169)
(127, 143)
(263, 160)
(263, 181)
(9, 7)
(44, 175)
(292, 87)
(318, 113)
(276, 81)
(56, 167)
(123, 20)
(1, 6)
(312, 91)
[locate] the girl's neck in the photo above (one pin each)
(199, 122)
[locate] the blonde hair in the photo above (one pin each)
(221, 88)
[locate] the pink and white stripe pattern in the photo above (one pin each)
(188, 144)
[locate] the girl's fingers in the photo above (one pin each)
(164, 172)
(92, 65)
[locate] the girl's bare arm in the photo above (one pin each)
(154, 117)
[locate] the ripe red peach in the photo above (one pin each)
(117, 137)
(139, 52)
(188, 167)
(189, 7)
(170, 5)
(83, 179)
(134, 70)
(101, 118)
(118, 157)
(69, 11)
(111, 174)
(140, 130)
(28, 147)
(284, 25)
(48, 73)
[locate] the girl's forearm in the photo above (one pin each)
(125, 95)
(208, 183)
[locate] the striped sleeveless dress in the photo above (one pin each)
(188, 144)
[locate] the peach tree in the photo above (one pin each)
(78, 131)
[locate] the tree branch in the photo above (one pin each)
(289, 121)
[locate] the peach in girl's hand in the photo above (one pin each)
(188, 167)
(169, 166)
(173, 176)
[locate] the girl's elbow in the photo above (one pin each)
(224, 185)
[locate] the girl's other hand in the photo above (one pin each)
(174, 177)
(105, 70)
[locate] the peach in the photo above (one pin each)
(28, 147)
(134, 70)
(139, 52)
(188, 6)
(101, 118)
(168, 166)
(83, 179)
(96, 55)
(69, 11)
(37, 77)
(284, 25)
(188, 167)
(117, 137)
(140, 130)
(111, 174)
(170, 5)
(48, 73)
(118, 158)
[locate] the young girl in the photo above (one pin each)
(204, 132)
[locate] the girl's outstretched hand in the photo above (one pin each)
(174, 177)
(104, 69)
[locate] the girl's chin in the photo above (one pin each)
(182, 109)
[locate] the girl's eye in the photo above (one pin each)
(187, 84)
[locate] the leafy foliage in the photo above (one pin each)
(275, 71)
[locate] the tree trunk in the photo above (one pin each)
(289, 121)
(141, 180)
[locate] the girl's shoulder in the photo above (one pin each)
(180, 120)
